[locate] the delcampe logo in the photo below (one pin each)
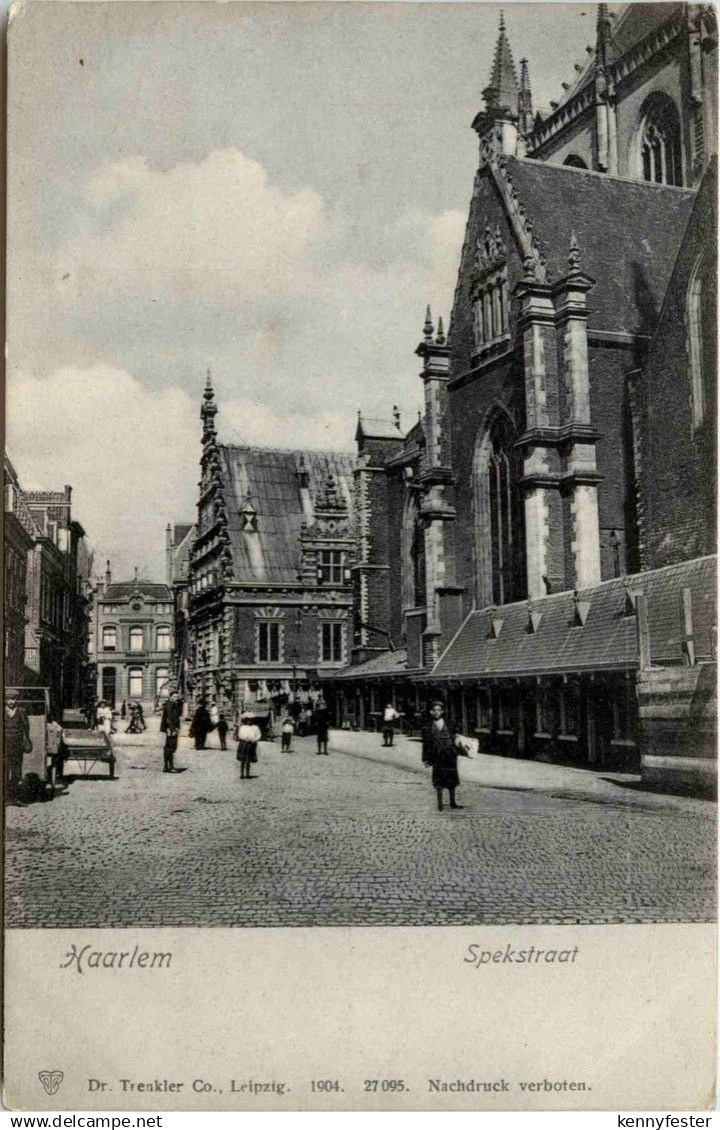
(51, 1080)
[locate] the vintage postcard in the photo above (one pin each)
(360, 574)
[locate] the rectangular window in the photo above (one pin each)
(543, 713)
(506, 711)
(330, 567)
(109, 638)
(136, 639)
(163, 638)
(569, 711)
(331, 650)
(135, 682)
(624, 712)
(268, 642)
(484, 711)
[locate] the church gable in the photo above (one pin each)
(491, 266)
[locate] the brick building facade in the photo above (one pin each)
(269, 587)
(566, 452)
(47, 593)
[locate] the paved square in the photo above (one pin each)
(347, 840)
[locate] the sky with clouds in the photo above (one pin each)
(273, 191)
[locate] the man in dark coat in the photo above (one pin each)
(16, 736)
(440, 750)
(170, 727)
(322, 725)
(201, 725)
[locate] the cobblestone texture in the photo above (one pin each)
(343, 840)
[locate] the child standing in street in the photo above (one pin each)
(287, 730)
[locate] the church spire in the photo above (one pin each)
(501, 93)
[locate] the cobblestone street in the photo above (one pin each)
(348, 840)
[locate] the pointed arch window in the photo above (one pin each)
(660, 150)
(499, 520)
(413, 552)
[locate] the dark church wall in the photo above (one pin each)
(678, 473)
(610, 415)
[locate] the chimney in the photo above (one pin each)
(108, 575)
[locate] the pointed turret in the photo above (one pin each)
(501, 93)
(525, 106)
(603, 37)
(497, 124)
(428, 327)
(208, 411)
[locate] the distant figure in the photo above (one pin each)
(248, 738)
(141, 716)
(200, 725)
(322, 725)
(105, 718)
(390, 717)
(170, 727)
(222, 729)
(16, 740)
(287, 730)
(123, 709)
(440, 749)
(54, 745)
(136, 724)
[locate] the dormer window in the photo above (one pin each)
(248, 517)
(331, 567)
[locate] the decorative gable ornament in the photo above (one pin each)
(490, 253)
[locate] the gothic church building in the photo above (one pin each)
(540, 543)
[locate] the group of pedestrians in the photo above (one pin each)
(441, 744)
(205, 720)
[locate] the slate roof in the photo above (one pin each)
(123, 590)
(628, 232)
(607, 640)
(270, 477)
(183, 538)
(388, 663)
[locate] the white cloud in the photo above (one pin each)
(312, 324)
(214, 228)
(131, 453)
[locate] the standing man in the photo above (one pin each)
(390, 717)
(440, 749)
(200, 725)
(222, 729)
(322, 726)
(170, 727)
(17, 744)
